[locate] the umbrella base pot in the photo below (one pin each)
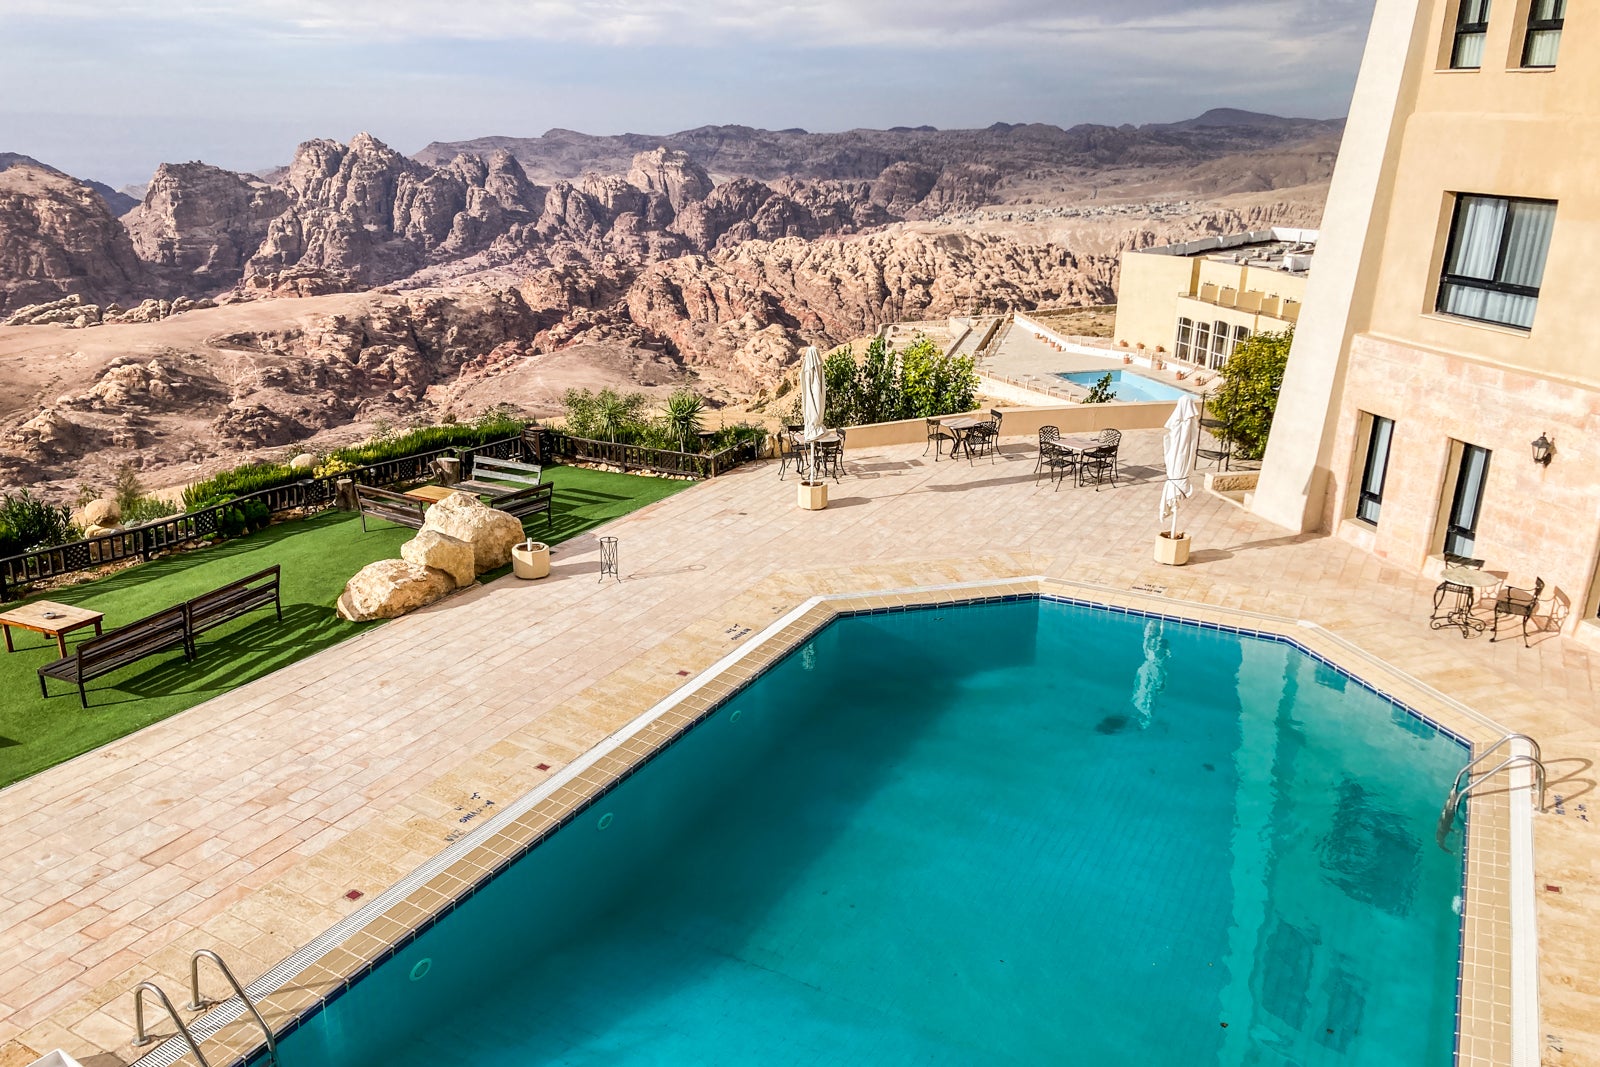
(813, 495)
(1172, 551)
(530, 559)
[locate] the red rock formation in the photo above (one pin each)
(57, 238)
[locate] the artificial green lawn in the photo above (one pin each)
(318, 555)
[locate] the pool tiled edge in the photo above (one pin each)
(1494, 1013)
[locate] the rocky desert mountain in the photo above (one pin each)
(227, 314)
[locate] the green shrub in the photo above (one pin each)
(27, 523)
(146, 509)
(604, 416)
(493, 425)
(917, 382)
(238, 481)
(1248, 397)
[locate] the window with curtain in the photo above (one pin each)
(1461, 531)
(1472, 28)
(1221, 344)
(1241, 334)
(1202, 341)
(1545, 18)
(1185, 338)
(1370, 501)
(1495, 261)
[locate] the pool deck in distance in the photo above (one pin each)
(241, 824)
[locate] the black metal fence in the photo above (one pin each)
(309, 494)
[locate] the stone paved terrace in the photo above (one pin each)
(240, 824)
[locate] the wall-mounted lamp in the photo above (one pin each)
(1543, 449)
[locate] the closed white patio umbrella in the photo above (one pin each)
(813, 398)
(1178, 446)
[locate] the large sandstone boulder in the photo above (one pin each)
(491, 533)
(101, 513)
(389, 588)
(455, 557)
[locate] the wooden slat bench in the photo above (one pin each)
(500, 477)
(393, 507)
(209, 610)
(527, 502)
(122, 646)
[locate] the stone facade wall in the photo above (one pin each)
(1535, 521)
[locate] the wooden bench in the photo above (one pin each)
(390, 506)
(209, 610)
(529, 501)
(122, 646)
(500, 477)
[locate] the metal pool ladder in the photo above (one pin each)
(1466, 781)
(197, 1003)
(141, 1038)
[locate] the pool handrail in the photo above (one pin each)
(196, 1003)
(140, 1037)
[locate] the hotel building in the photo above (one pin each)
(1443, 393)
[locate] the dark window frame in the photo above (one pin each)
(1488, 285)
(1367, 494)
(1468, 29)
(1454, 530)
(1541, 26)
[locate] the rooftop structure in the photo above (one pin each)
(1197, 300)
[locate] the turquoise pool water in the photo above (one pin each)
(1126, 385)
(1027, 832)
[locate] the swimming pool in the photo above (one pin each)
(1126, 385)
(1017, 832)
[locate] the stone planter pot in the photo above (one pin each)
(813, 495)
(1172, 551)
(530, 559)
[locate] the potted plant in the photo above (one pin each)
(530, 559)
(1172, 549)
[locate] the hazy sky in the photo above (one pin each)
(107, 89)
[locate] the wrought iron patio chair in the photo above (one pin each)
(830, 458)
(1054, 457)
(938, 433)
(1049, 438)
(1100, 462)
(984, 438)
(1517, 602)
(1448, 589)
(783, 441)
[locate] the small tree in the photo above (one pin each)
(839, 379)
(684, 408)
(128, 490)
(1101, 392)
(1248, 397)
(877, 390)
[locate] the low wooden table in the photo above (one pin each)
(429, 494)
(51, 619)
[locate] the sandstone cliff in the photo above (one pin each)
(58, 238)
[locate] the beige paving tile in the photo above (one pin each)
(233, 824)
